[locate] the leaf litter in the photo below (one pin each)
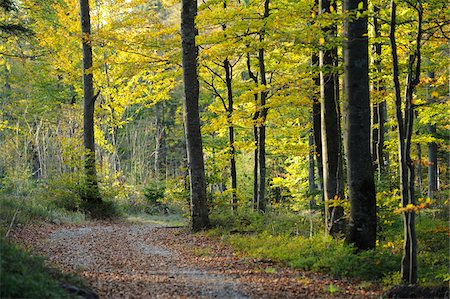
(124, 260)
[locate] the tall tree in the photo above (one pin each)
(379, 104)
(255, 136)
(199, 208)
(405, 130)
(330, 127)
(262, 115)
(361, 186)
(92, 192)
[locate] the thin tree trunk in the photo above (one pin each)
(379, 108)
(160, 143)
(92, 192)
(330, 132)
(228, 80)
(405, 128)
(263, 115)
(419, 167)
(194, 148)
(316, 118)
(255, 137)
(361, 186)
(432, 151)
(312, 187)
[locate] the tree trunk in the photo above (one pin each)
(419, 167)
(199, 208)
(361, 186)
(92, 193)
(160, 143)
(330, 132)
(316, 118)
(312, 188)
(255, 138)
(262, 115)
(405, 127)
(432, 151)
(228, 79)
(379, 107)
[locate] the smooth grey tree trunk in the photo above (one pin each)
(330, 131)
(92, 192)
(199, 208)
(361, 186)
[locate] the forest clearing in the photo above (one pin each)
(224, 149)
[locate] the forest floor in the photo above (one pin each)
(132, 260)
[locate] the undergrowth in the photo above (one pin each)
(26, 276)
(298, 241)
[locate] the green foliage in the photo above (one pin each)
(285, 237)
(33, 209)
(319, 253)
(154, 193)
(64, 191)
(279, 222)
(25, 276)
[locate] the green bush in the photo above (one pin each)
(154, 193)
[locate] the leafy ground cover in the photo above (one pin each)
(287, 239)
(139, 260)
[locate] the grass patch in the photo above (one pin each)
(26, 276)
(30, 209)
(162, 220)
(285, 238)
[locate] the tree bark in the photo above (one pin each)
(432, 151)
(379, 108)
(330, 131)
(312, 187)
(199, 208)
(255, 138)
(316, 119)
(262, 137)
(92, 192)
(228, 80)
(405, 127)
(361, 186)
(262, 115)
(419, 167)
(160, 143)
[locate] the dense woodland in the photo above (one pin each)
(291, 129)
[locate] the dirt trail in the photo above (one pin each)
(149, 261)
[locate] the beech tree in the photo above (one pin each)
(361, 186)
(92, 193)
(199, 208)
(330, 127)
(405, 122)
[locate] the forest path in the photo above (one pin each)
(125, 260)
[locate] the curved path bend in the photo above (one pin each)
(149, 261)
